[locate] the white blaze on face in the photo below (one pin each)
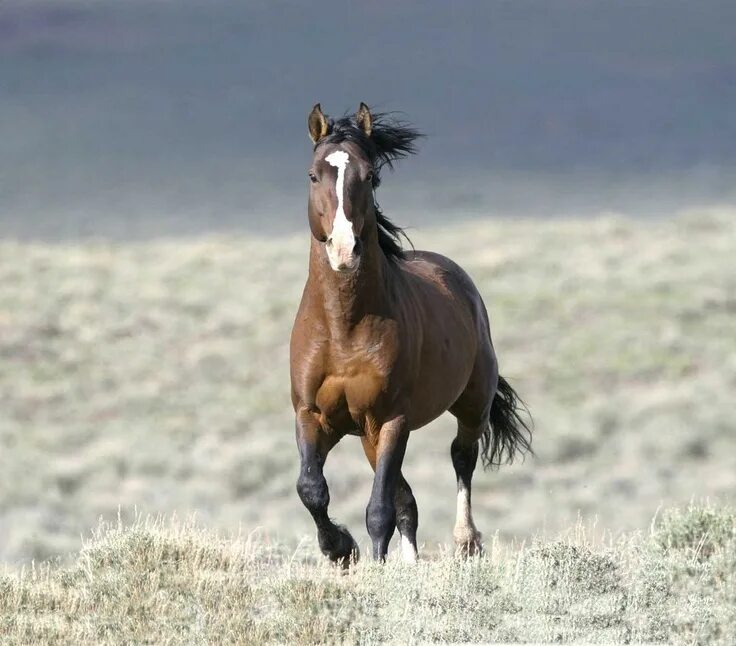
(341, 241)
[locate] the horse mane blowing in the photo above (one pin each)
(390, 139)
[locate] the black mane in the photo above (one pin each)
(390, 139)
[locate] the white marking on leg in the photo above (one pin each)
(342, 238)
(465, 531)
(408, 551)
(464, 515)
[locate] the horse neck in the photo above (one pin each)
(347, 298)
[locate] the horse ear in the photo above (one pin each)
(318, 125)
(364, 119)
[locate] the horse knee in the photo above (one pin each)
(313, 491)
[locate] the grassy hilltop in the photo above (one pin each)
(172, 583)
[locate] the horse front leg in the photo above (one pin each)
(407, 515)
(380, 515)
(334, 540)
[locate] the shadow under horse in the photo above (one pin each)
(385, 341)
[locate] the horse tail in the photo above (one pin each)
(508, 433)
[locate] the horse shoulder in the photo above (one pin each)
(308, 348)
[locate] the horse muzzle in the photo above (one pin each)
(343, 254)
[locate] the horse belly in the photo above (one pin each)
(444, 393)
(444, 372)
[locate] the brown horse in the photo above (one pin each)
(385, 341)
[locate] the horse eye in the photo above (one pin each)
(369, 176)
(312, 177)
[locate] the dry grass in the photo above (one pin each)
(174, 583)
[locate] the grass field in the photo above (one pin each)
(173, 583)
(152, 378)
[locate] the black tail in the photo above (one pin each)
(508, 433)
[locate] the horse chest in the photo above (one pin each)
(350, 393)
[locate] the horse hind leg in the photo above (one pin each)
(407, 520)
(472, 410)
(490, 415)
(464, 453)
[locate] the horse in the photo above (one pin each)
(386, 340)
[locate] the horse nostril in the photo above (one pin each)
(357, 248)
(328, 242)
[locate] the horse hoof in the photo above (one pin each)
(470, 547)
(351, 559)
(344, 551)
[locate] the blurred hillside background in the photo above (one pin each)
(137, 117)
(579, 163)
